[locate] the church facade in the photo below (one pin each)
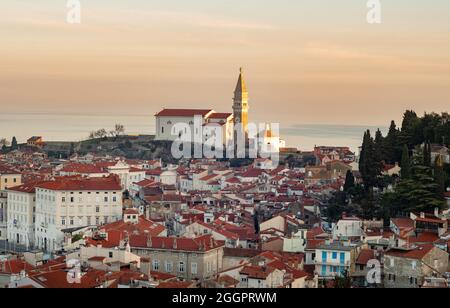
(168, 120)
(176, 124)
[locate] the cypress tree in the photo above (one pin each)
(439, 175)
(14, 144)
(405, 164)
(349, 181)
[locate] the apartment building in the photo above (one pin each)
(21, 214)
(70, 203)
(187, 258)
(8, 178)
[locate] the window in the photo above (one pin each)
(97, 209)
(156, 265)
(63, 222)
(71, 221)
(162, 130)
(414, 265)
(169, 267)
(63, 199)
(194, 268)
(181, 268)
(106, 199)
(334, 255)
(324, 256)
(111, 254)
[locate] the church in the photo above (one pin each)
(166, 120)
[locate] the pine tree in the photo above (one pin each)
(379, 146)
(427, 154)
(405, 164)
(439, 175)
(393, 149)
(14, 144)
(409, 125)
(349, 181)
(369, 164)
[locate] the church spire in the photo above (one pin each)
(241, 87)
(240, 102)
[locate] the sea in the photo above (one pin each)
(76, 127)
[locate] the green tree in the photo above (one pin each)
(439, 175)
(427, 154)
(410, 124)
(343, 281)
(349, 181)
(379, 146)
(405, 164)
(369, 163)
(393, 149)
(14, 144)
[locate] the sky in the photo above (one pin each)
(305, 61)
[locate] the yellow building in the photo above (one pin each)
(8, 178)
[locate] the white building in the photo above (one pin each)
(348, 227)
(21, 215)
(335, 258)
(128, 175)
(8, 178)
(74, 203)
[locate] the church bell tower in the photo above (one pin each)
(240, 105)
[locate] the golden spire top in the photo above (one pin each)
(241, 87)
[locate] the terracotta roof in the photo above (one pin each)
(203, 243)
(365, 255)
(4, 169)
(143, 227)
(403, 222)
(28, 188)
(257, 272)
(418, 253)
(81, 184)
(175, 285)
(82, 168)
(220, 116)
(14, 266)
(182, 112)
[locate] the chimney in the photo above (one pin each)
(436, 212)
(149, 241)
(175, 243)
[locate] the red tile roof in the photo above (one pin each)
(82, 168)
(203, 243)
(175, 285)
(110, 183)
(220, 116)
(257, 272)
(418, 253)
(365, 255)
(182, 112)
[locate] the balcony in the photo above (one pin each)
(331, 262)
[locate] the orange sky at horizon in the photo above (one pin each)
(309, 67)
